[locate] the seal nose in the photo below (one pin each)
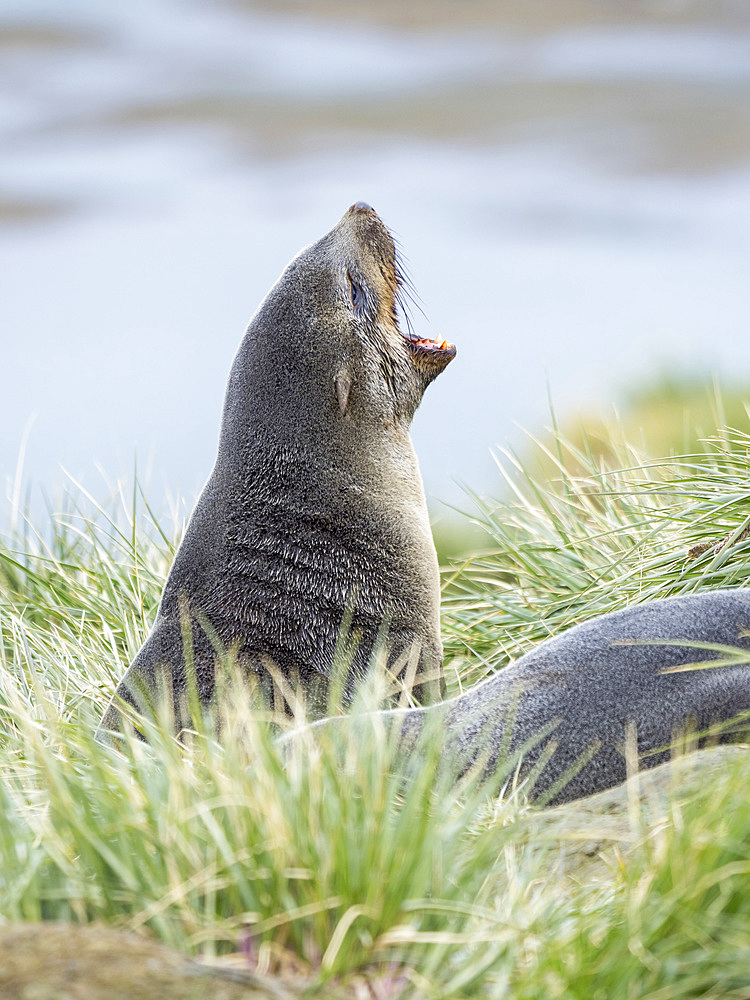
(362, 206)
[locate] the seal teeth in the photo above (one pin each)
(428, 343)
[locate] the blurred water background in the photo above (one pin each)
(570, 182)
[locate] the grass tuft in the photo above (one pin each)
(329, 856)
(574, 535)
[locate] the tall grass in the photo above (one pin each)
(574, 535)
(333, 857)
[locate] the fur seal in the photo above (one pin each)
(314, 513)
(579, 694)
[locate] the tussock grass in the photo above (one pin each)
(589, 536)
(333, 858)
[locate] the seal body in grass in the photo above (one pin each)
(595, 695)
(314, 515)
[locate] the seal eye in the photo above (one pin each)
(356, 293)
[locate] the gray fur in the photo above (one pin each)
(585, 688)
(315, 506)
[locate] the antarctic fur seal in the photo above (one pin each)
(579, 697)
(314, 514)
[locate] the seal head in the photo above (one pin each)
(314, 515)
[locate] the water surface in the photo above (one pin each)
(571, 191)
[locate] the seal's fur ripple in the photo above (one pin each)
(315, 510)
(583, 691)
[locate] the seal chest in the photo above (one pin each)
(314, 515)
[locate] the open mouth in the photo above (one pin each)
(425, 348)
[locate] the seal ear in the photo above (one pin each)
(343, 383)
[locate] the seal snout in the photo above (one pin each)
(361, 206)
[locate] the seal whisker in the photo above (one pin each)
(406, 295)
